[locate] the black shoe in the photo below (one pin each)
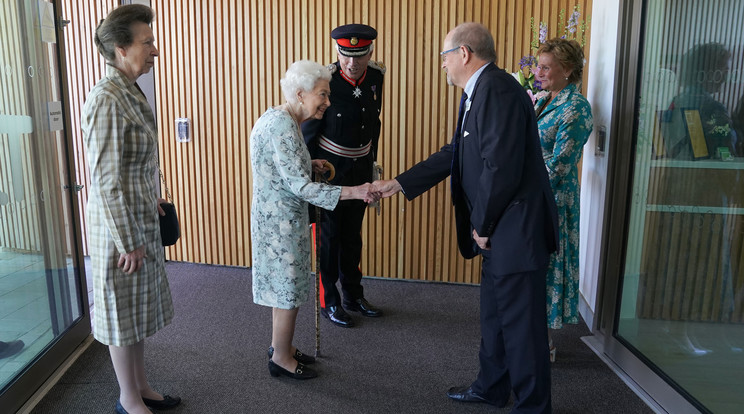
(466, 394)
(338, 316)
(363, 307)
(119, 409)
(298, 356)
(301, 372)
(8, 349)
(166, 403)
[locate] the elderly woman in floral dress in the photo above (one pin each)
(282, 189)
(564, 119)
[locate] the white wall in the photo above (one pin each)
(600, 91)
(147, 81)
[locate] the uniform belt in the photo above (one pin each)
(342, 151)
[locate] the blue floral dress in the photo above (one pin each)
(565, 124)
(280, 232)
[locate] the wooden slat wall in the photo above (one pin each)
(84, 66)
(695, 270)
(692, 266)
(220, 66)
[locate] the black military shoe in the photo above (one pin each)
(363, 307)
(337, 315)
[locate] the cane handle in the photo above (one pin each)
(331, 170)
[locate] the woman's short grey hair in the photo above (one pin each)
(116, 29)
(302, 76)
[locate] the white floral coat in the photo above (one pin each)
(280, 233)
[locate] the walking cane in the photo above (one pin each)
(319, 178)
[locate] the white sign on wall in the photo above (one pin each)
(55, 115)
(46, 21)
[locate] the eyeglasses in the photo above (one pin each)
(449, 50)
(442, 54)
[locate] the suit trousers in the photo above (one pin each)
(514, 353)
(341, 251)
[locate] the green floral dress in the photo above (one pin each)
(565, 124)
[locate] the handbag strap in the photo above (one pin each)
(167, 191)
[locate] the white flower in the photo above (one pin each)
(543, 32)
(573, 21)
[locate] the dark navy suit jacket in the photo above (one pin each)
(505, 192)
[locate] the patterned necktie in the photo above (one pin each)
(455, 169)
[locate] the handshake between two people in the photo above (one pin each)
(371, 192)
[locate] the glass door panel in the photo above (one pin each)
(682, 300)
(40, 272)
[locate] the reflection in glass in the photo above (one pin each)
(682, 304)
(39, 292)
(697, 125)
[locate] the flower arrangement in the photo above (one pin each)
(574, 29)
(717, 126)
(527, 61)
(526, 74)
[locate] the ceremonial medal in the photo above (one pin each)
(374, 92)
(357, 92)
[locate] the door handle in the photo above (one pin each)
(77, 187)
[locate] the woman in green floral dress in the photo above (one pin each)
(564, 119)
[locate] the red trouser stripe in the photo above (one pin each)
(317, 266)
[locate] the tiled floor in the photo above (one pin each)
(24, 309)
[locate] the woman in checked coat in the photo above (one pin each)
(131, 294)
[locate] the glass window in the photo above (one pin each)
(682, 303)
(40, 286)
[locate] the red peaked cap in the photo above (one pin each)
(354, 39)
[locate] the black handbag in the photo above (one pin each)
(170, 230)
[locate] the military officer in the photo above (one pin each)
(347, 137)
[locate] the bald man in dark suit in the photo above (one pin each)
(504, 211)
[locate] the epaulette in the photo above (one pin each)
(378, 65)
(332, 68)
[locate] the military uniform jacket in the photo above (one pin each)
(352, 121)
